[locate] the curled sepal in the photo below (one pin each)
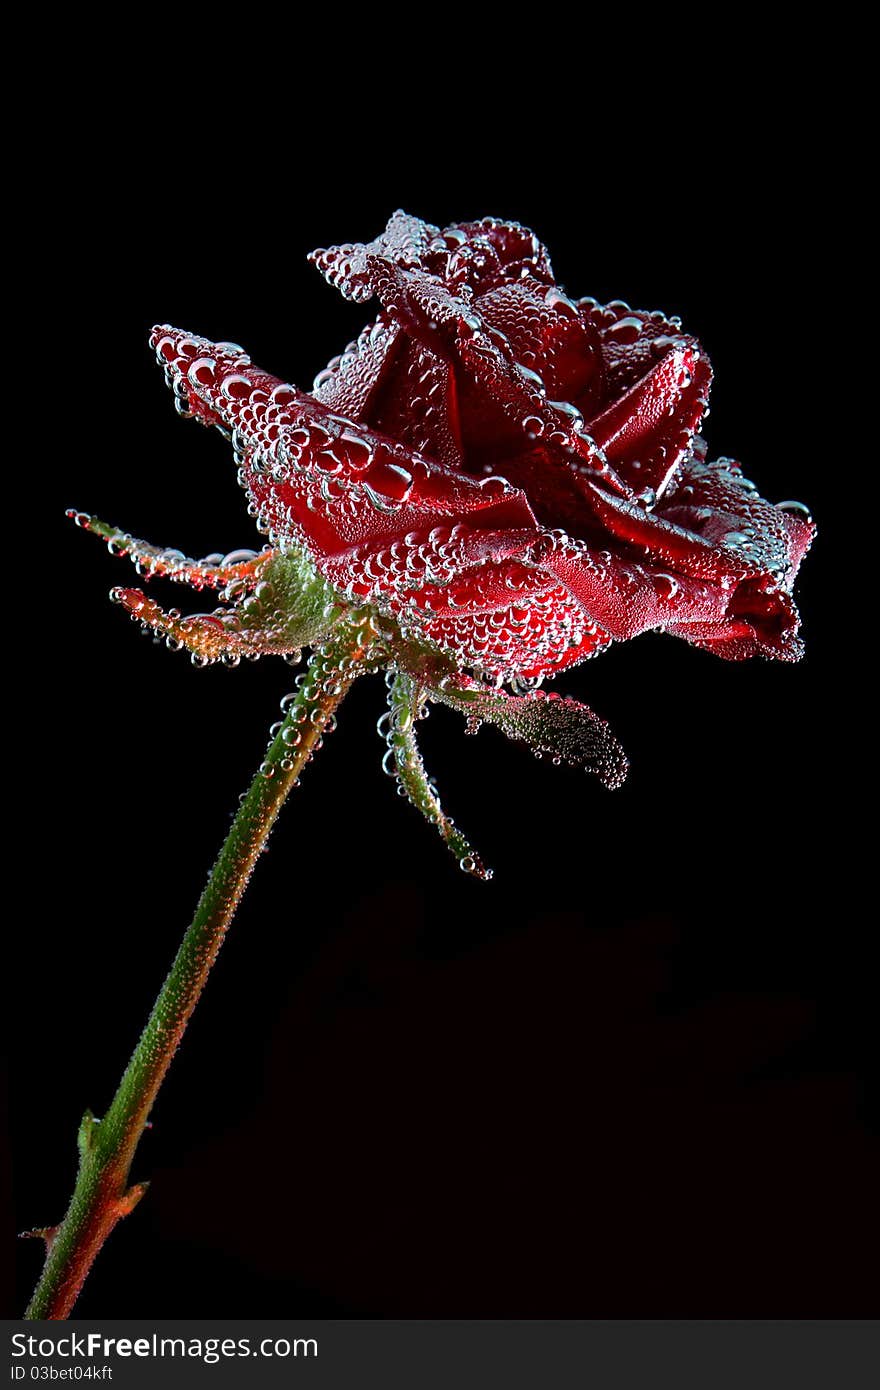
(240, 568)
(289, 607)
(551, 724)
(404, 706)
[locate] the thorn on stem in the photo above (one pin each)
(86, 1137)
(46, 1233)
(129, 1200)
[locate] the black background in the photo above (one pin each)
(627, 1078)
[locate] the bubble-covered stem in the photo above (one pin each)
(102, 1195)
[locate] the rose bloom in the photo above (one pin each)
(515, 475)
(509, 478)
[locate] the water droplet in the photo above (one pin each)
(201, 373)
(531, 377)
(283, 395)
(796, 509)
(555, 299)
(661, 345)
(236, 387)
(626, 330)
(389, 481)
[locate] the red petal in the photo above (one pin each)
(446, 567)
(750, 536)
(316, 476)
(543, 635)
(349, 383)
(731, 556)
(631, 341)
(405, 241)
(490, 251)
(647, 432)
(416, 403)
(547, 334)
(628, 598)
(760, 623)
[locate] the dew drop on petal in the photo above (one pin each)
(236, 387)
(626, 330)
(201, 372)
(795, 508)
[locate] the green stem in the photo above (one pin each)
(102, 1195)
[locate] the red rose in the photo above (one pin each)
(509, 478)
(514, 475)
